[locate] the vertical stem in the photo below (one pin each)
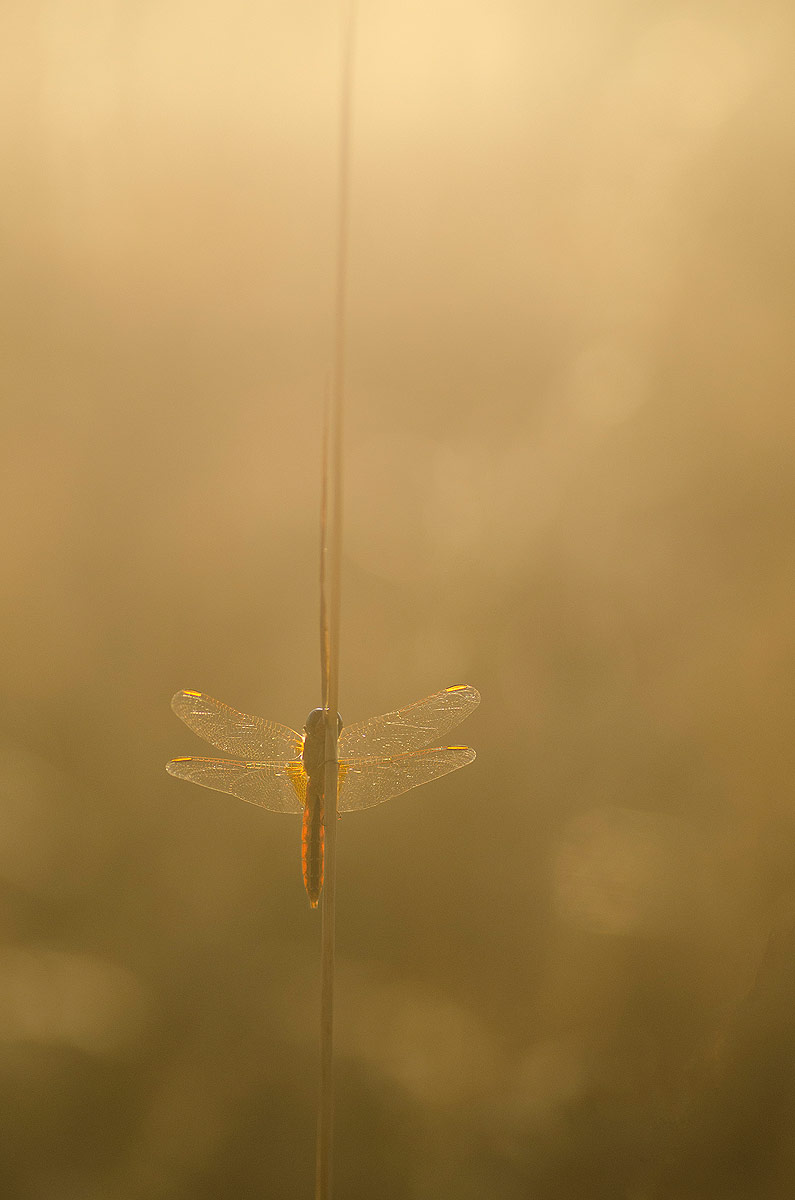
(323, 1173)
(325, 648)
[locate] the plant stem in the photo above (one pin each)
(333, 532)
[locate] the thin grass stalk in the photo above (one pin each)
(333, 498)
(325, 648)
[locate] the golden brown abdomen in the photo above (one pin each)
(312, 845)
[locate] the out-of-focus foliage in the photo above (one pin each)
(566, 972)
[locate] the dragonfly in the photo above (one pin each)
(282, 770)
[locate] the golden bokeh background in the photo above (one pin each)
(566, 972)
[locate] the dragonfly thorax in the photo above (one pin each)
(314, 753)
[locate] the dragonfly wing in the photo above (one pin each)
(235, 732)
(365, 782)
(410, 728)
(277, 786)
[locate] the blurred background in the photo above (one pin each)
(567, 971)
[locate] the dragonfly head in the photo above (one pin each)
(316, 720)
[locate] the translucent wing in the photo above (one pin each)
(410, 728)
(365, 782)
(235, 732)
(277, 786)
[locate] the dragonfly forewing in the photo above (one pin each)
(365, 782)
(411, 728)
(236, 732)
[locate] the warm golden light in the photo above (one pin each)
(566, 971)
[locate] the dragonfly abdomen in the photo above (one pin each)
(313, 836)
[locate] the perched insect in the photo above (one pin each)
(283, 770)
